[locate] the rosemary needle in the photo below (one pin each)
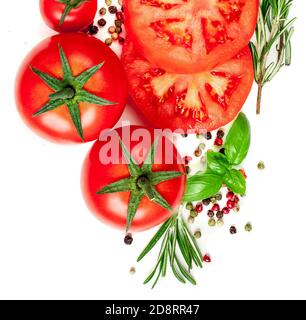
(271, 48)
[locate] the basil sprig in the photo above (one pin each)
(221, 168)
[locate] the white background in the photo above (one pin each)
(51, 247)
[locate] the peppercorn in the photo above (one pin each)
(118, 23)
(212, 222)
(187, 159)
(261, 165)
(230, 195)
(220, 222)
(197, 153)
(202, 146)
(102, 22)
(237, 208)
(115, 36)
(111, 29)
(200, 136)
(231, 204)
(208, 136)
(213, 200)
(215, 207)
(118, 30)
(120, 16)
(207, 258)
(120, 2)
(121, 40)
(189, 206)
(193, 214)
(198, 234)
(220, 134)
(102, 11)
(108, 2)
(203, 160)
(248, 227)
(128, 240)
(112, 10)
(236, 199)
(109, 41)
(225, 211)
(199, 208)
(190, 220)
(93, 30)
(132, 271)
(219, 215)
(218, 142)
(233, 230)
(206, 202)
(184, 135)
(210, 213)
(219, 196)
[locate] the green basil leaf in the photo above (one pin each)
(217, 163)
(202, 186)
(235, 181)
(238, 140)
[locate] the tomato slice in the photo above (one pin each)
(207, 100)
(187, 36)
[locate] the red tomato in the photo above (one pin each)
(113, 208)
(88, 113)
(187, 36)
(68, 15)
(207, 100)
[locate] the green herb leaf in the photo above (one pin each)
(217, 163)
(202, 186)
(238, 140)
(235, 181)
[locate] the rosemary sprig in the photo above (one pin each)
(176, 238)
(271, 48)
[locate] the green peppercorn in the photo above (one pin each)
(248, 227)
(193, 214)
(220, 222)
(213, 200)
(219, 196)
(190, 220)
(102, 11)
(200, 136)
(202, 146)
(198, 234)
(189, 206)
(261, 166)
(212, 222)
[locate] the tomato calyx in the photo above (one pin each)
(69, 91)
(142, 182)
(69, 5)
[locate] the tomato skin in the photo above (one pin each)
(171, 58)
(112, 208)
(83, 52)
(165, 116)
(77, 20)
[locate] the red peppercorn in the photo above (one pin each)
(119, 15)
(215, 207)
(207, 258)
(230, 195)
(121, 40)
(218, 142)
(199, 207)
(225, 211)
(236, 199)
(231, 204)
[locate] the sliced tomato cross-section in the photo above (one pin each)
(187, 36)
(207, 100)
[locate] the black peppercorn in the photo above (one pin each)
(220, 134)
(206, 202)
(233, 230)
(208, 136)
(128, 240)
(93, 30)
(112, 9)
(102, 22)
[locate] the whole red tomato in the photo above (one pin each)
(68, 15)
(70, 87)
(134, 196)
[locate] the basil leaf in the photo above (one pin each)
(235, 181)
(238, 140)
(217, 163)
(202, 186)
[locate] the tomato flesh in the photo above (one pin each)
(188, 36)
(205, 100)
(112, 208)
